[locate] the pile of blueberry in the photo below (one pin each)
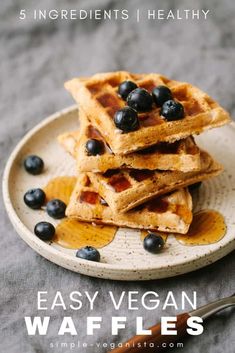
(139, 100)
(35, 199)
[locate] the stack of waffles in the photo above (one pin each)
(141, 178)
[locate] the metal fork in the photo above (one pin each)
(137, 344)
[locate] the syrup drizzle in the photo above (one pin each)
(208, 226)
(71, 233)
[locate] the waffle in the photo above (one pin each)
(69, 141)
(125, 189)
(183, 155)
(169, 213)
(97, 96)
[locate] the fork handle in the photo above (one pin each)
(131, 346)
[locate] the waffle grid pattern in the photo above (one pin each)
(106, 95)
(125, 189)
(98, 97)
(172, 212)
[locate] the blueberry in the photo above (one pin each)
(140, 100)
(161, 94)
(125, 88)
(194, 186)
(44, 230)
(56, 208)
(126, 119)
(153, 243)
(33, 165)
(34, 198)
(172, 110)
(94, 147)
(88, 253)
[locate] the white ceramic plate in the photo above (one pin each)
(124, 258)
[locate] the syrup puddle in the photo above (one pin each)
(73, 234)
(60, 188)
(208, 227)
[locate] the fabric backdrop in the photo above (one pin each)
(36, 58)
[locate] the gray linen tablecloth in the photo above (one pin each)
(36, 58)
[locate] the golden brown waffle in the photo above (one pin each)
(183, 155)
(97, 96)
(169, 213)
(69, 141)
(125, 189)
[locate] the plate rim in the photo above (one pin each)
(36, 244)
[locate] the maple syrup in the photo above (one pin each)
(208, 227)
(60, 188)
(108, 100)
(92, 132)
(148, 120)
(90, 197)
(74, 234)
(94, 89)
(193, 108)
(71, 233)
(149, 86)
(119, 182)
(181, 94)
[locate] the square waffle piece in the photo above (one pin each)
(183, 155)
(125, 189)
(98, 97)
(168, 213)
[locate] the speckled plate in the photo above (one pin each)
(124, 258)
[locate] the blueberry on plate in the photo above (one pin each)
(94, 147)
(172, 110)
(125, 88)
(44, 230)
(126, 119)
(34, 198)
(153, 243)
(56, 208)
(88, 253)
(34, 165)
(161, 94)
(140, 100)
